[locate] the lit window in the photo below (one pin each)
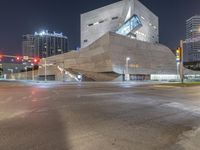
(142, 17)
(132, 24)
(96, 23)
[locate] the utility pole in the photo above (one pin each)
(127, 75)
(26, 72)
(33, 72)
(181, 63)
(45, 69)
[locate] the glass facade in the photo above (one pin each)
(192, 31)
(130, 25)
(45, 44)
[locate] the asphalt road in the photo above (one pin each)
(98, 116)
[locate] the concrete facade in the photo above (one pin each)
(117, 40)
(96, 23)
(105, 59)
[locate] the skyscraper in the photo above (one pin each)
(44, 44)
(28, 46)
(192, 52)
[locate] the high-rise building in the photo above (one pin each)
(28, 46)
(127, 17)
(44, 44)
(192, 52)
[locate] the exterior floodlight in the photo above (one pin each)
(42, 33)
(128, 58)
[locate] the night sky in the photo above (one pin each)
(18, 17)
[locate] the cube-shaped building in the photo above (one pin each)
(128, 17)
(118, 42)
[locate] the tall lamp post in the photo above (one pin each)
(182, 62)
(33, 72)
(127, 76)
(26, 69)
(45, 69)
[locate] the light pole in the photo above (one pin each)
(127, 76)
(33, 72)
(63, 71)
(39, 67)
(45, 69)
(11, 70)
(26, 69)
(181, 64)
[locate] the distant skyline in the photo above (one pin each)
(26, 17)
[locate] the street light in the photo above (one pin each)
(44, 62)
(182, 61)
(11, 70)
(33, 72)
(127, 76)
(26, 69)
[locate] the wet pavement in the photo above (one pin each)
(98, 116)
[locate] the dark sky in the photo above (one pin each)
(18, 17)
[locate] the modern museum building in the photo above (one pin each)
(118, 42)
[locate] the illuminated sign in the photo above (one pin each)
(47, 33)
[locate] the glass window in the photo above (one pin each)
(132, 24)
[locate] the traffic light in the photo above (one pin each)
(36, 60)
(18, 58)
(178, 54)
(1, 57)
